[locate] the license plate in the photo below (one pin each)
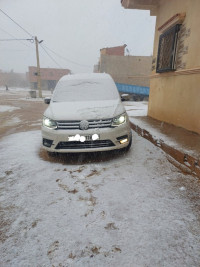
(86, 137)
(92, 137)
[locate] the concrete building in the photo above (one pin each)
(174, 82)
(49, 77)
(113, 51)
(133, 70)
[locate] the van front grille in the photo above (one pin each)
(71, 125)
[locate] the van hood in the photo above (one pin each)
(87, 110)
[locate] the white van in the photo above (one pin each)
(85, 114)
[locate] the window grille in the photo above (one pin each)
(166, 60)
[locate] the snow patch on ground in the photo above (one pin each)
(5, 108)
(121, 211)
(13, 89)
(24, 93)
(36, 124)
(136, 108)
(11, 122)
(32, 99)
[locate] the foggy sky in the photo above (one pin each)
(74, 29)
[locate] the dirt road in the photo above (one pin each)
(26, 113)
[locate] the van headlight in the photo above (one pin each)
(119, 120)
(49, 123)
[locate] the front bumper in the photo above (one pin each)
(56, 140)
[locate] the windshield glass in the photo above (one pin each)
(85, 90)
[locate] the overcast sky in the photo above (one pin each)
(75, 30)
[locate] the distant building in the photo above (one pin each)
(13, 79)
(49, 77)
(133, 70)
(113, 51)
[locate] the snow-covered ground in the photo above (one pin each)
(6, 108)
(11, 122)
(24, 93)
(120, 211)
(13, 90)
(136, 108)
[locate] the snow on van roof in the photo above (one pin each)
(86, 76)
(85, 87)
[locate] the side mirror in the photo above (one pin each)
(125, 97)
(47, 100)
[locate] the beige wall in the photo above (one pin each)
(175, 96)
(127, 69)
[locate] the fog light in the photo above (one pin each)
(47, 142)
(123, 141)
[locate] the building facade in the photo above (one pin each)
(174, 82)
(114, 51)
(49, 77)
(133, 70)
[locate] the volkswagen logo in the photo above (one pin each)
(84, 125)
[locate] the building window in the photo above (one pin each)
(166, 60)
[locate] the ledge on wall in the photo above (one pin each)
(141, 4)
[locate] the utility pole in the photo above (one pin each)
(38, 69)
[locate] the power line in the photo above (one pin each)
(11, 35)
(51, 57)
(31, 40)
(16, 23)
(13, 50)
(73, 62)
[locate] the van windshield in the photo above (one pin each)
(85, 90)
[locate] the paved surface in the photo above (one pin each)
(132, 210)
(27, 116)
(180, 144)
(129, 210)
